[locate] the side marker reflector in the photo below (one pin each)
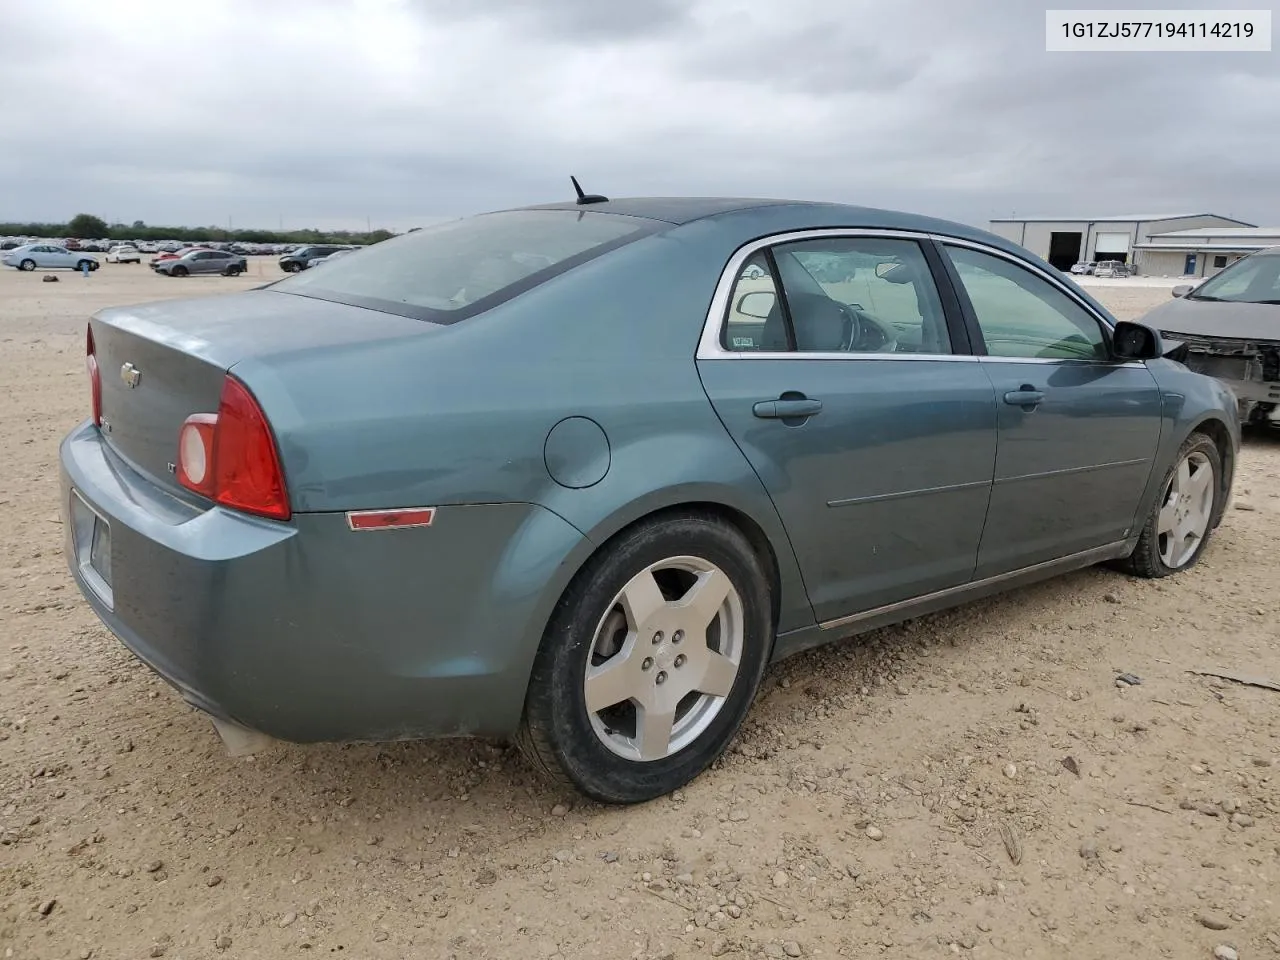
(390, 519)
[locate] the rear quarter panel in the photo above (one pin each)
(462, 414)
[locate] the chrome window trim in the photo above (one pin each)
(710, 348)
(1109, 364)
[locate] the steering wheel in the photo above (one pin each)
(868, 334)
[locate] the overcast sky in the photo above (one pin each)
(328, 112)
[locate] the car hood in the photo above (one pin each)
(1207, 318)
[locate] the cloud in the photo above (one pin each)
(329, 113)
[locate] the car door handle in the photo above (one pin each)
(1027, 396)
(786, 409)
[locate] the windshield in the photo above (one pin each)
(456, 269)
(1254, 279)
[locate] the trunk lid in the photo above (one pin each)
(161, 362)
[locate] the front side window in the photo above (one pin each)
(839, 295)
(456, 269)
(1023, 315)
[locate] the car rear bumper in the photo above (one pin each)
(308, 631)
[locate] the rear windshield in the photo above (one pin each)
(454, 270)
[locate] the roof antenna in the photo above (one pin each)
(586, 197)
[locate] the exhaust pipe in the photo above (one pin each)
(241, 741)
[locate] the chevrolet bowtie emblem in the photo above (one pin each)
(130, 375)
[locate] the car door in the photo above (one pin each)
(850, 389)
(1078, 429)
(60, 257)
(203, 262)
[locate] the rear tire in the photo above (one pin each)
(1181, 521)
(231, 272)
(617, 750)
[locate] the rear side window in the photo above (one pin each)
(454, 270)
(838, 295)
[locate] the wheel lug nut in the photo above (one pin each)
(661, 677)
(677, 636)
(648, 662)
(657, 637)
(680, 660)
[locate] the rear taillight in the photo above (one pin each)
(230, 457)
(95, 376)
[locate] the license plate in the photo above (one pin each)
(91, 540)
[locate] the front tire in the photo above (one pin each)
(651, 660)
(27, 265)
(178, 272)
(1181, 520)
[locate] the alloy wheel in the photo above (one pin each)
(1186, 509)
(664, 658)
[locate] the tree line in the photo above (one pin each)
(85, 226)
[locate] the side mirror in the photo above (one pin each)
(1136, 341)
(756, 303)
(1182, 289)
(895, 271)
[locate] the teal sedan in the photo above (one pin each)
(575, 474)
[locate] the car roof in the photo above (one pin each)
(782, 214)
(669, 209)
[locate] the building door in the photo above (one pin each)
(1189, 268)
(1111, 246)
(1065, 249)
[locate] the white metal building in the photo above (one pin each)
(1067, 240)
(1202, 252)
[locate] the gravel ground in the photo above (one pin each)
(973, 783)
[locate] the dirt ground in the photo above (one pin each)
(863, 811)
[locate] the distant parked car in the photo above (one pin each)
(124, 254)
(1111, 268)
(333, 256)
(170, 255)
(1229, 328)
(202, 261)
(47, 256)
(300, 259)
(1084, 267)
